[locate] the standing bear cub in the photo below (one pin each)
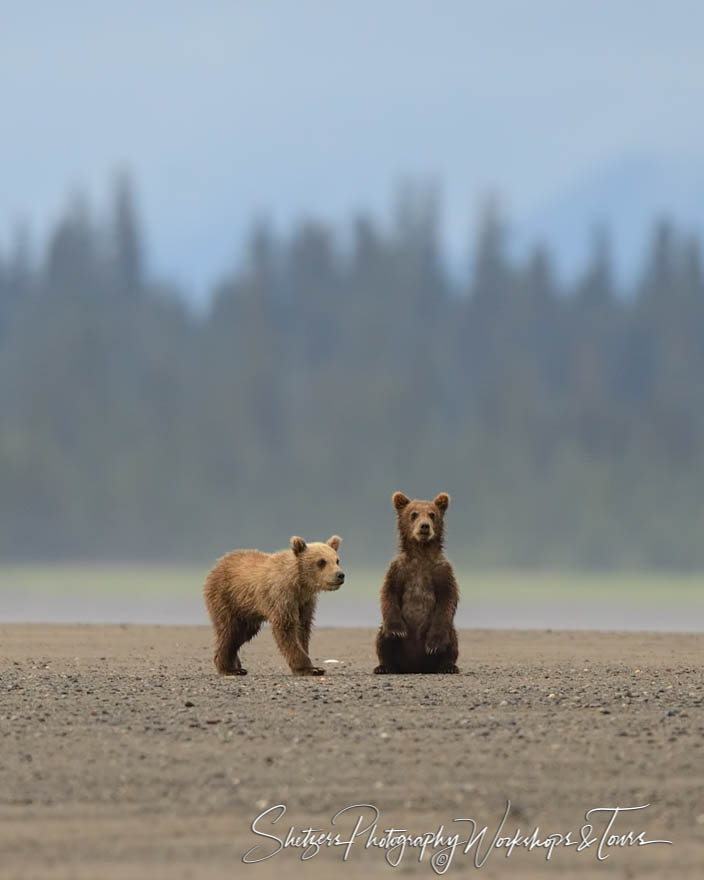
(247, 587)
(419, 596)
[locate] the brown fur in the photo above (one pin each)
(419, 596)
(247, 587)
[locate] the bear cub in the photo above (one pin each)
(419, 596)
(247, 587)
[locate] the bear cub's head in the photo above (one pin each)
(319, 563)
(421, 521)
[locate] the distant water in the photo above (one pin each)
(594, 614)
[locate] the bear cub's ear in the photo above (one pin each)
(335, 541)
(298, 545)
(399, 500)
(442, 501)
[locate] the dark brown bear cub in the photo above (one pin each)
(419, 596)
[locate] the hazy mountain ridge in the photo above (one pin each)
(627, 195)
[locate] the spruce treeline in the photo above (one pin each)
(329, 370)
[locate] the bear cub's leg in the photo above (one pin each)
(443, 659)
(229, 638)
(389, 650)
(289, 632)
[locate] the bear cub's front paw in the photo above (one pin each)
(395, 629)
(435, 643)
(309, 670)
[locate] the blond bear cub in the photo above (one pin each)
(247, 587)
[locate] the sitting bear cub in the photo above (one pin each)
(247, 587)
(419, 596)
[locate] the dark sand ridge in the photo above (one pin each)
(122, 754)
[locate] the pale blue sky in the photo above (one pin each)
(223, 110)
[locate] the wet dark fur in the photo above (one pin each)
(419, 596)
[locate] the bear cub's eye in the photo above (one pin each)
(337, 562)
(321, 563)
(414, 516)
(432, 516)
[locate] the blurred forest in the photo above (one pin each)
(334, 366)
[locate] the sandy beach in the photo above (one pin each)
(124, 755)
